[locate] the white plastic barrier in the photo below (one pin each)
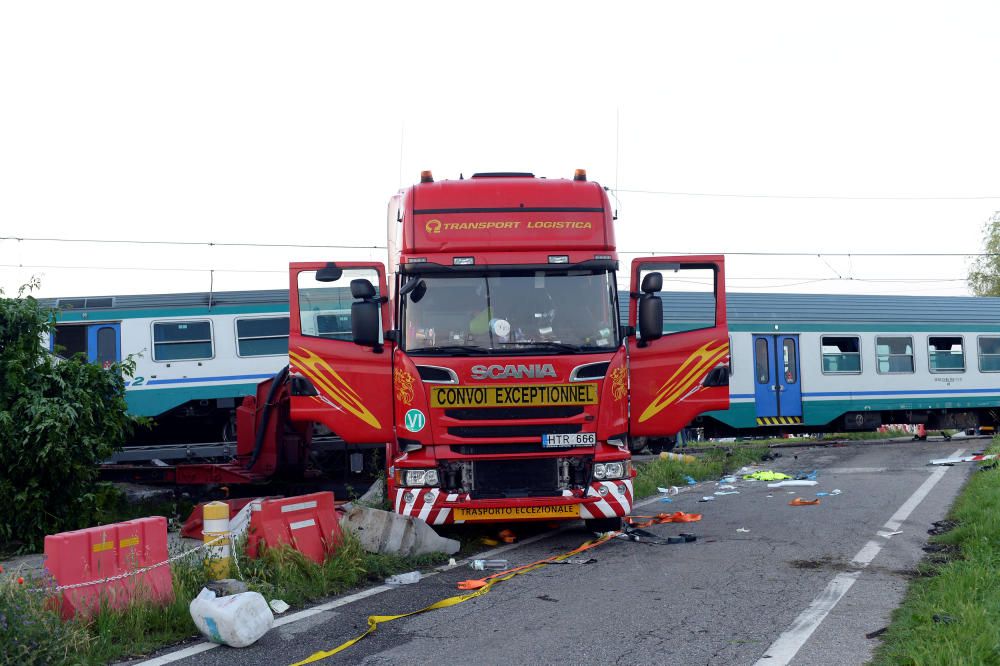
(237, 620)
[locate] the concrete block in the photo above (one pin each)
(374, 495)
(387, 532)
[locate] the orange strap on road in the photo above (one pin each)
(660, 518)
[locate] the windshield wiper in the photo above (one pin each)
(562, 346)
(468, 350)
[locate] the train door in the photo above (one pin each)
(104, 344)
(100, 342)
(777, 381)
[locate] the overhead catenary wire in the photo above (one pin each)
(828, 197)
(135, 241)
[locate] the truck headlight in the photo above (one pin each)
(611, 470)
(420, 477)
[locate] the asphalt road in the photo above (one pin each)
(802, 586)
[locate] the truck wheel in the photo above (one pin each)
(602, 525)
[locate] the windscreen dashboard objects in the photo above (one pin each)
(511, 312)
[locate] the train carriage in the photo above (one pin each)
(799, 362)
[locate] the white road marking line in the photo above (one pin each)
(787, 645)
(343, 601)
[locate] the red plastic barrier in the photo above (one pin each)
(103, 552)
(308, 523)
(192, 528)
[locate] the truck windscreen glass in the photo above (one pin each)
(549, 312)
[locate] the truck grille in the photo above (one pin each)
(533, 430)
(511, 413)
(498, 449)
(515, 478)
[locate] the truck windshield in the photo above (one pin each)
(551, 312)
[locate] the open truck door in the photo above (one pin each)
(341, 368)
(678, 363)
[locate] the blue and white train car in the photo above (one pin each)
(822, 363)
(196, 354)
(800, 362)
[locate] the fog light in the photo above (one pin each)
(408, 498)
(621, 488)
(603, 491)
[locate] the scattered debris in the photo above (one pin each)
(770, 456)
(227, 586)
(798, 501)
(545, 597)
(689, 480)
(672, 490)
(766, 475)
(278, 606)
(951, 461)
(943, 619)
(941, 526)
(742, 529)
(452, 562)
(728, 479)
(237, 620)
(889, 534)
(811, 476)
(387, 532)
(680, 457)
(483, 565)
(408, 578)
(794, 482)
(770, 495)
(707, 498)
(666, 499)
(489, 541)
(727, 486)
(727, 492)
(877, 632)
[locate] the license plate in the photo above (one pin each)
(518, 512)
(569, 441)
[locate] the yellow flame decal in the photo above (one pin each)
(404, 386)
(618, 383)
(332, 384)
(686, 376)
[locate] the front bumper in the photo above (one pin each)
(437, 507)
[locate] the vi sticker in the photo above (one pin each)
(414, 420)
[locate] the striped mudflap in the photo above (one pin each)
(778, 420)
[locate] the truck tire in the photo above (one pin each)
(602, 525)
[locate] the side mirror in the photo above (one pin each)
(365, 322)
(362, 289)
(650, 317)
(652, 283)
(329, 273)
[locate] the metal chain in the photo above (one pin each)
(136, 572)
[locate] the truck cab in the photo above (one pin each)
(488, 356)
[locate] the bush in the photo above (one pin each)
(58, 420)
(32, 634)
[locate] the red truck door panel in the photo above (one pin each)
(685, 372)
(348, 387)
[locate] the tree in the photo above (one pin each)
(58, 420)
(984, 273)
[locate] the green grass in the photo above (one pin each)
(711, 465)
(951, 614)
(31, 634)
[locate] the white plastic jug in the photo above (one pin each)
(237, 620)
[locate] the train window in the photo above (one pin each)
(70, 340)
(841, 354)
(762, 363)
(989, 354)
(325, 307)
(894, 354)
(182, 340)
(946, 353)
(788, 357)
(262, 336)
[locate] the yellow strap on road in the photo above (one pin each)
(375, 620)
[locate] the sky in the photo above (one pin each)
(826, 129)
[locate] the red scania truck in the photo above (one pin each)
(488, 356)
